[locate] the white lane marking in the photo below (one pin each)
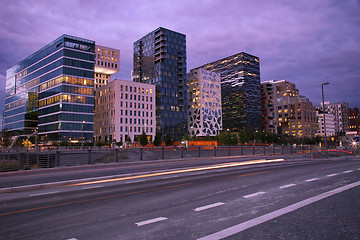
(151, 221)
(348, 171)
(287, 186)
(253, 194)
(92, 187)
(311, 180)
(208, 206)
(45, 193)
(331, 175)
(264, 218)
(72, 239)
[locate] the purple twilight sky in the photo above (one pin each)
(306, 42)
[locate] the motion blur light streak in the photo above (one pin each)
(217, 166)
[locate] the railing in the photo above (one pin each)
(21, 159)
(16, 159)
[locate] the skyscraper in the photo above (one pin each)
(52, 91)
(240, 91)
(160, 59)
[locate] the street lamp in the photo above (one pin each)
(322, 93)
(82, 134)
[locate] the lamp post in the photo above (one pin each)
(82, 134)
(322, 93)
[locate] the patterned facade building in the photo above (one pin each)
(160, 59)
(123, 110)
(240, 91)
(204, 101)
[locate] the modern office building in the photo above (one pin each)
(240, 91)
(294, 114)
(160, 59)
(204, 101)
(354, 120)
(341, 116)
(268, 106)
(124, 110)
(52, 91)
(106, 64)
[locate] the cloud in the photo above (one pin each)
(306, 42)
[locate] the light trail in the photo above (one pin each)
(217, 166)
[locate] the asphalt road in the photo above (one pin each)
(39, 176)
(306, 200)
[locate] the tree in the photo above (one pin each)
(157, 139)
(168, 140)
(186, 137)
(194, 138)
(143, 139)
(228, 138)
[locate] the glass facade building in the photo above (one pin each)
(52, 91)
(240, 91)
(160, 59)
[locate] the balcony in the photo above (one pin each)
(159, 33)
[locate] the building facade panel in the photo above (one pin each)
(204, 101)
(124, 110)
(37, 85)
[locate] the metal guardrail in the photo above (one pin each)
(50, 158)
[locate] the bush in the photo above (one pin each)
(100, 143)
(157, 139)
(64, 143)
(168, 140)
(143, 139)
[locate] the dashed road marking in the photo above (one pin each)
(72, 239)
(332, 175)
(287, 186)
(269, 216)
(253, 194)
(40, 194)
(154, 220)
(208, 206)
(349, 171)
(312, 179)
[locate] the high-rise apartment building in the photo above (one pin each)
(52, 91)
(240, 91)
(124, 110)
(106, 63)
(329, 122)
(294, 114)
(341, 116)
(268, 106)
(204, 101)
(354, 120)
(160, 59)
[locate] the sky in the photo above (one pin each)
(305, 42)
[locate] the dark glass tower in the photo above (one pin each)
(160, 59)
(51, 91)
(240, 91)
